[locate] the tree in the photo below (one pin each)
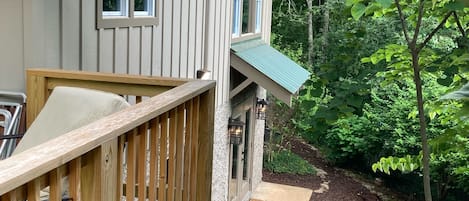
(411, 14)
(310, 31)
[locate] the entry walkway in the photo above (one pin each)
(278, 192)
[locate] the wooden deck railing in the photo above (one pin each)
(159, 149)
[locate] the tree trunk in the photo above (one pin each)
(325, 30)
(423, 125)
(310, 32)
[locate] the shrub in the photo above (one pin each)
(285, 161)
(384, 129)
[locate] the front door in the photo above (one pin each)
(240, 155)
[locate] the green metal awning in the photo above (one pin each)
(269, 68)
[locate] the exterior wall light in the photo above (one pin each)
(261, 106)
(235, 130)
(203, 74)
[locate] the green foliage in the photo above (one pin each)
(360, 103)
(285, 161)
(341, 82)
(289, 29)
(451, 167)
(413, 16)
(461, 94)
(404, 164)
(349, 139)
(383, 129)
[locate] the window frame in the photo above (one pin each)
(149, 13)
(255, 20)
(127, 17)
(122, 13)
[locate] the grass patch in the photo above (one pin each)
(285, 161)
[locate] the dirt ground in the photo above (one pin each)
(331, 184)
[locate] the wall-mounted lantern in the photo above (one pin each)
(203, 74)
(235, 130)
(261, 106)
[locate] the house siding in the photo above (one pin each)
(191, 35)
(11, 45)
(63, 34)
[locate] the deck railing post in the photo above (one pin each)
(205, 141)
(37, 96)
(90, 176)
(108, 170)
(99, 173)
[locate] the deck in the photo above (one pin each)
(163, 143)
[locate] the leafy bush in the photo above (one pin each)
(285, 161)
(384, 129)
(386, 135)
(350, 138)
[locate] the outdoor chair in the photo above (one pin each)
(11, 116)
(66, 109)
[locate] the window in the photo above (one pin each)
(124, 13)
(247, 17)
(144, 7)
(258, 15)
(114, 8)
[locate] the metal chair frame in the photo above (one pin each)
(11, 122)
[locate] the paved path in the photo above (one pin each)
(278, 192)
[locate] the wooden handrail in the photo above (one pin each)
(40, 82)
(107, 77)
(95, 145)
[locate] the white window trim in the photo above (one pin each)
(236, 18)
(125, 17)
(110, 14)
(255, 20)
(122, 13)
(148, 13)
(258, 20)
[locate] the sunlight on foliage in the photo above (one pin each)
(404, 164)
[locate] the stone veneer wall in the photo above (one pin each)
(258, 146)
(220, 153)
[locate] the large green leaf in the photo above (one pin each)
(385, 3)
(309, 104)
(455, 5)
(464, 2)
(405, 164)
(445, 81)
(372, 8)
(461, 94)
(358, 10)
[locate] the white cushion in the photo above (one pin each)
(69, 108)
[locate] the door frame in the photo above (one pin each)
(240, 111)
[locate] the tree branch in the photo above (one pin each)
(430, 36)
(401, 17)
(461, 29)
(418, 25)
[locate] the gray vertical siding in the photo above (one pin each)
(65, 36)
(11, 45)
(191, 35)
(217, 42)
